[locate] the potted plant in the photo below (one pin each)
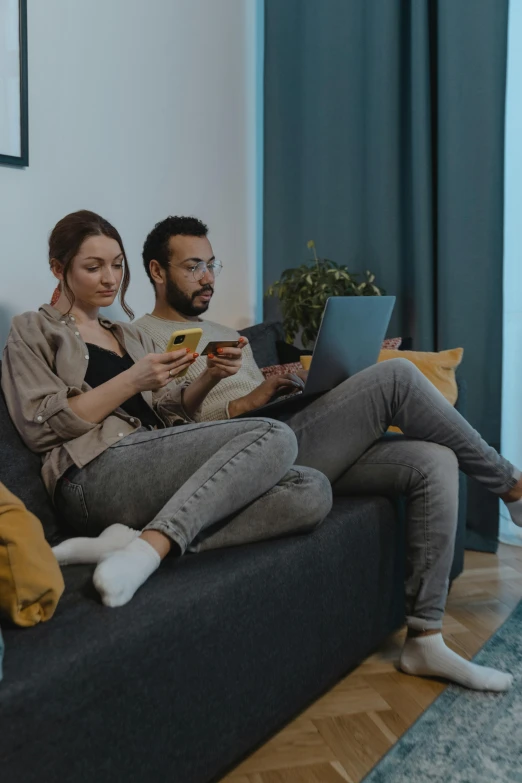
(303, 292)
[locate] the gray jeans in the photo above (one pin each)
(341, 434)
(204, 485)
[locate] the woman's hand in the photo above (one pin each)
(148, 374)
(226, 362)
(156, 370)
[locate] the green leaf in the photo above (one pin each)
(304, 290)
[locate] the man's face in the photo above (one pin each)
(183, 293)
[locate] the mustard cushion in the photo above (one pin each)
(31, 582)
(438, 367)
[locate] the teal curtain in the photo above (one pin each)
(384, 137)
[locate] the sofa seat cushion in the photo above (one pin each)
(215, 653)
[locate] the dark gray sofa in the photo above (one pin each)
(212, 656)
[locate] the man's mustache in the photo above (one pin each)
(207, 289)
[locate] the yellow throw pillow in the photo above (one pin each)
(439, 368)
(31, 582)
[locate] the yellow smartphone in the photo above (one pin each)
(184, 338)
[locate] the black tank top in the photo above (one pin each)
(105, 365)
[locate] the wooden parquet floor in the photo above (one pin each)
(344, 734)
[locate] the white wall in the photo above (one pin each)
(137, 109)
(512, 380)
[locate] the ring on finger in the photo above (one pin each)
(171, 374)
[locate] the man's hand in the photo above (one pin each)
(264, 393)
(226, 362)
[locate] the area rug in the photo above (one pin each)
(465, 736)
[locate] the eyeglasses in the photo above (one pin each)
(200, 269)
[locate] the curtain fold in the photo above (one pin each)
(384, 133)
(512, 370)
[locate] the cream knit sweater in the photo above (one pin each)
(216, 403)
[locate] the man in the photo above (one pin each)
(180, 263)
(341, 433)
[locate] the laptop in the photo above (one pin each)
(349, 340)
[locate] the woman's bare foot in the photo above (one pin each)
(158, 541)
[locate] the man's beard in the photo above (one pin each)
(184, 304)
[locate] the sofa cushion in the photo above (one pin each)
(263, 341)
(438, 367)
(281, 369)
(31, 582)
(291, 353)
(213, 654)
(20, 472)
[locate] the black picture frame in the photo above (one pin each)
(23, 158)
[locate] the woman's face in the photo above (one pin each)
(96, 272)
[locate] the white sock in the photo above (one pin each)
(429, 656)
(91, 550)
(121, 573)
(515, 509)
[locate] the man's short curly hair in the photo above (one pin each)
(157, 243)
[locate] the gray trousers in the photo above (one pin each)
(203, 485)
(341, 434)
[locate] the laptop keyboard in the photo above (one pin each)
(282, 397)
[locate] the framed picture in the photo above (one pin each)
(14, 133)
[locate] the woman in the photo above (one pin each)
(117, 436)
